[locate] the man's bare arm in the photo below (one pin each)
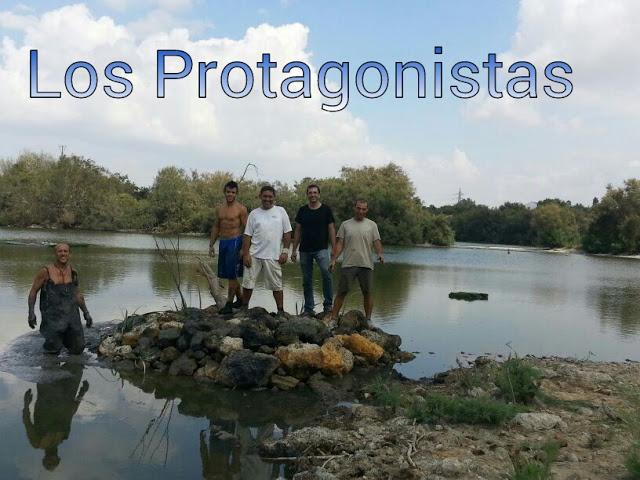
(38, 282)
(246, 245)
(244, 216)
(297, 233)
(286, 243)
(215, 232)
(377, 246)
(83, 306)
(332, 235)
(337, 250)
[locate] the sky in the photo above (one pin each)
(493, 150)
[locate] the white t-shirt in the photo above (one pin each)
(266, 228)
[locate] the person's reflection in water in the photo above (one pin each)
(220, 453)
(55, 407)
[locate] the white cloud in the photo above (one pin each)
(288, 139)
(598, 39)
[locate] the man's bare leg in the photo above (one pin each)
(279, 298)
(337, 306)
(368, 305)
(246, 296)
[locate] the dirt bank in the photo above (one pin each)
(579, 424)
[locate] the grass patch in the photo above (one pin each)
(632, 461)
(387, 393)
(569, 405)
(518, 380)
(537, 470)
(481, 411)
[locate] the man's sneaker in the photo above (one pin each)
(237, 304)
(228, 308)
(308, 313)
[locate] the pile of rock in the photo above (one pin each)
(248, 350)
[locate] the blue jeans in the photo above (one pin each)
(306, 264)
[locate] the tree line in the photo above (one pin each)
(74, 192)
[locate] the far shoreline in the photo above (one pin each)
(456, 245)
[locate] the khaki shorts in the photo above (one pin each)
(349, 274)
(272, 274)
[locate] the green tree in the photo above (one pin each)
(554, 225)
(615, 227)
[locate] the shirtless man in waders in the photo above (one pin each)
(60, 305)
(231, 218)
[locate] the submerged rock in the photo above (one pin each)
(469, 296)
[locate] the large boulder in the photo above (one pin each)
(302, 359)
(183, 365)
(301, 329)
(362, 346)
(169, 354)
(108, 346)
(168, 336)
(207, 371)
(246, 369)
(390, 343)
(537, 421)
(256, 334)
(352, 321)
(231, 344)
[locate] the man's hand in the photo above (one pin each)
(381, 258)
(212, 250)
(87, 318)
(32, 320)
(28, 396)
(332, 265)
(247, 260)
(283, 258)
(83, 389)
(294, 257)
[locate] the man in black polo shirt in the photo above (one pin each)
(315, 229)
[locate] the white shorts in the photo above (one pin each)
(272, 274)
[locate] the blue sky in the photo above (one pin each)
(495, 151)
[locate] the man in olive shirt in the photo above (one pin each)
(315, 229)
(358, 237)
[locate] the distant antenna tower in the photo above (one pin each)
(460, 195)
(62, 150)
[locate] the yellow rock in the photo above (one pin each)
(336, 360)
(331, 358)
(362, 346)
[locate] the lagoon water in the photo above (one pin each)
(133, 427)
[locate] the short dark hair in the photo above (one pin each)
(361, 200)
(312, 185)
(230, 184)
(268, 188)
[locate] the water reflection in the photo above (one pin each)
(56, 404)
(97, 270)
(619, 307)
(238, 423)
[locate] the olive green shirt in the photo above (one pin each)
(358, 238)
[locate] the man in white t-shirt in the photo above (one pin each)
(265, 247)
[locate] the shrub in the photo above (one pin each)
(517, 380)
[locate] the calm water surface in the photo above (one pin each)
(129, 427)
